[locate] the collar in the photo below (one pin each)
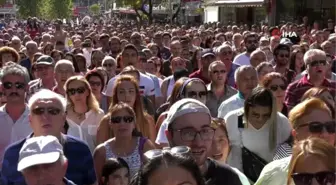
(210, 88)
(240, 95)
(25, 112)
(304, 80)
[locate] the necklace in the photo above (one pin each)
(79, 116)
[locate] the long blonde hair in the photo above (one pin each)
(91, 100)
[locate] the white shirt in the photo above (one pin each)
(11, 132)
(242, 59)
(87, 129)
(161, 137)
(255, 140)
(233, 103)
(146, 86)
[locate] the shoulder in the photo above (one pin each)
(231, 90)
(274, 170)
(222, 172)
(73, 144)
(15, 148)
(233, 115)
(145, 77)
(100, 150)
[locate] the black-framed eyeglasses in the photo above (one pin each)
(179, 150)
(119, 119)
(92, 83)
(195, 94)
(276, 87)
(10, 85)
(317, 127)
(323, 178)
(50, 110)
(318, 63)
(189, 134)
(73, 91)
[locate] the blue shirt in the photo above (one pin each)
(80, 163)
(231, 79)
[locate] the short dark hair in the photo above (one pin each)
(112, 165)
(260, 96)
(131, 47)
(280, 47)
(95, 73)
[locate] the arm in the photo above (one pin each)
(290, 97)
(164, 90)
(99, 157)
(151, 128)
(103, 131)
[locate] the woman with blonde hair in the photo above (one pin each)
(312, 163)
(126, 89)
(83, 112)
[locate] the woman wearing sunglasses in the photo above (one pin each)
(83, 112)
(127, 142)
(110, 66)
(126, 89)
(97, 85)
(277, 83)
(312, 163)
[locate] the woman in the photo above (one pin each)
(8, 54)
(56, 55)
(81, 62)
(97, 58)
(126, 89)
(277, 83)
(312, 163)
(71, 57)
(159, 67)
(115, 172)
(48, 48)
(255, 131)
(155, 50)
(83, 112)
(324, 94)
(196, 60)
(262, 69)
(97, 84)
(296, 62)
(110, 66)
(127, 142)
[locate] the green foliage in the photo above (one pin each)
(2, 2)
(95, 9)
(135, 4)
(52, 9)
(29, 8)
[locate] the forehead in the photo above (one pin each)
(129, 51)
(192, 120)
(217, 66)
(63, 67)
(13, 78)
(47, 102)
(76, 83)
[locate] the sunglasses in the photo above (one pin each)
(9, 85)
(118, 119)
(50, 110)
(323, 178)
(219, 72)
(283, 55)
(73, 91)
(92, 83)
(108, 65)
(179, 150)
(276, 87)
(317, 127)
(194, 94)
(318, 62)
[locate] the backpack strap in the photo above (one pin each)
(240, 122)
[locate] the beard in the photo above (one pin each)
(251, 49)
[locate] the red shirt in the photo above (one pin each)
(56, 90)
(296, 90)
(198, 74)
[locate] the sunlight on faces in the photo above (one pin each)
(45, 71)
(318, 70)
(95, 84)
(220, 145)
(247, 81)
(7, 57)
(218, 73)
(264, 71)
(14, 94)
(122, 129)
(63, 72)
(276, 88)
(196, 90)
(258, 115)
(172, 175)
(126, 92)
(119, 177)
(78, 97)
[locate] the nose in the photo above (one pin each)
(198, 141)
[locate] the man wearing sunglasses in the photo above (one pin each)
(316, 64)
(189, 124)
(47, 117)
(251, 44)
(14, 114)
(281, 59)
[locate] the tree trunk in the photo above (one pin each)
(177, 12)
(139, 22)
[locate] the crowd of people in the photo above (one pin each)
(109, 104)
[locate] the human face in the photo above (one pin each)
(122, 123)
(63, 73)
(220, 145)
(150, 68)
(185, 54)
(115, 45)
(154, 50)
(31, 49)
(7, 57)
(282, 58)
(81, 64)
(57, 56)
(136, 39)
(126, 92)
(196, 90)
(218, 74)
(316, 67)
(278, 88)
(328, 48)
(96, 85)
(166, 40)
(251, 44)
(119, 177)
(176, 49)
(48, 50)
(110, 67)
(275, 41)
(225, 55)
(264, 71)
(77, 92)
(47, 117)
(258, 115)
(45, 173)
(172, 175)
(178, 64)
(206, 61)
(248, 80)
(257, 58)
(316, 115)
(129, 57)
(45, 72)
(299, 60)
(327, 97)
(185, 126)
(14, 88)
(97, 58)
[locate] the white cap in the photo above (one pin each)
(39, 150)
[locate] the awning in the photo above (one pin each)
(239, 3)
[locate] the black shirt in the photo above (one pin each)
(220, 174)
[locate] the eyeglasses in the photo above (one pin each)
(73, 91)
(92, 83)
(317, 127)
(188, 134)
(323, 178)
(108, 65)
(118, 119)
(50, 110)
(283, 55)
(9, 85)
(276, 87)
(318, 62)
(179, 150)
(195, 94)
(219, 72)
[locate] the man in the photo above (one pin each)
(166, 39)
(275, 41)
(31, 47)
(246, 80)
(64, 69)
(175, 49)
(316, 66)
(115, 46)
(207, 58)
(225, 53)
(136, 40)
(42, 161)
(14, 114)
(251, 44)
(47, 117)
(189, 124)
(105, 44)
(218, 91)
(319, 38)
(44, 66)
(257, 57)
(328, 48)
(16, 43)
(281, 59)
(129, 56)
(331, 26)
(164, 51)
(59, 34)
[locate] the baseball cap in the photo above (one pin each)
(39, 150)
(286, 41)
(45, 59)
(208, 52)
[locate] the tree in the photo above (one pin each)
(95, 9)
(139, 6)
(31, 8)
(2, 2)
(53, 9)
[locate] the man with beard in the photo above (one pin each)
(189, 124)
(64, 69)
(104, 43)
(136, 40)
(115, 46)
(251, 44)
(14, 114)
(281, 58)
